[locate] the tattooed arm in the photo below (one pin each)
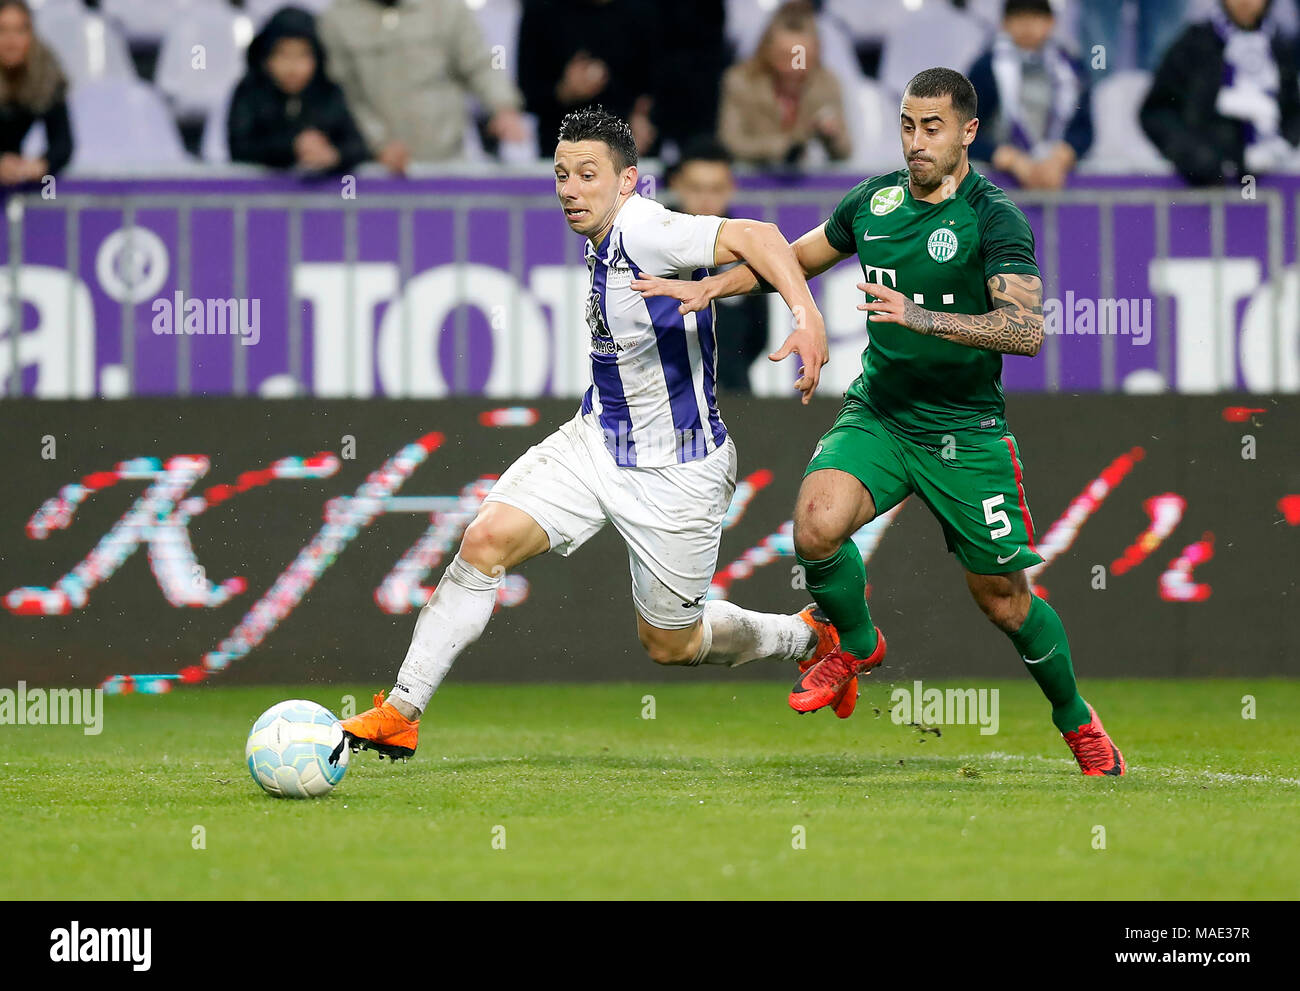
(1013, 326)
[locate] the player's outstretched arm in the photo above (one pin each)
(696, 294)
(763, 248)
(813, 252)
(1013, 326)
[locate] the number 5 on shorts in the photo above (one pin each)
(1000, 517)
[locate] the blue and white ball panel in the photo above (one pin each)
(289, 747)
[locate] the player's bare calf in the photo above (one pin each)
(1004, 599)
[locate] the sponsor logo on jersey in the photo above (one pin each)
(619, 269)
(602, 341)
(942, 245)
(886, 200)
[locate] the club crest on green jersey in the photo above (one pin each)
(887, 199)
(942, 244)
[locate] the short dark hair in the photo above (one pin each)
(1013, 7)
(699, 149)
(939, 81)
(594, 123)
(705, 149)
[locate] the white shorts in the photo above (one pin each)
(670, 518)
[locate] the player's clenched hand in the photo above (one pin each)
(889, 306)
(809, 342)
(692, 294)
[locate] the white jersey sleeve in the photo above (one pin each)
(667, 243)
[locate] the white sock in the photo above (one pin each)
(453, 618)
(735, 636)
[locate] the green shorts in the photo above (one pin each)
(975, 491)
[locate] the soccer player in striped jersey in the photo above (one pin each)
(647, 452)
(952, 285)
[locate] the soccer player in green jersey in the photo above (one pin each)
(952, 285)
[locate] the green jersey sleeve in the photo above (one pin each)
(839, 226)
(1007, 242)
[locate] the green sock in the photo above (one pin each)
(839, 585)
(1045, 650)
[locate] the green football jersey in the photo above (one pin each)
(942, 256)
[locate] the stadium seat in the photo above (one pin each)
(1119, 143)
(89, 47)
(224, 35)
(122, 122)
(41, 8)
(744, 21)
(215, 146)
(148, 20)
(498, 22)
(934, 34)
(863, 24)
(873, 123)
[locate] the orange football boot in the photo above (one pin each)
(828, 641)
(824, 682)
(1093, 749)
(382, 729)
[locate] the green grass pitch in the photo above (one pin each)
(703, 801)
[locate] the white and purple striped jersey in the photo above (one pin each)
(653, 370)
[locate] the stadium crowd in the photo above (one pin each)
(1204, 88)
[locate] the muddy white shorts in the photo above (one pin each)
(670, 518)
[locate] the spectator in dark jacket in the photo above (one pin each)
(688, 74)
(32, 88)
(286, 112)
(575, 52)
(1034, 108)
(1225, 100)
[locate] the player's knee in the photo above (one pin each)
(485, 543)
(663, 650)
(814, 540)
